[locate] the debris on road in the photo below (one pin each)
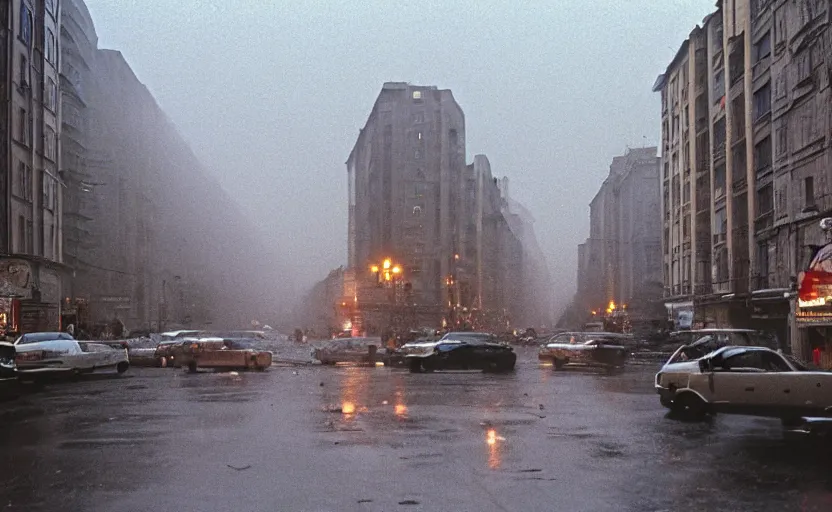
(240, 468)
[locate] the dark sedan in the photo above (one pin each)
(467, 354)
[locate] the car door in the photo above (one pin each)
(743, 383)
(801, 392)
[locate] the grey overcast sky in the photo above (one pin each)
(271, 96)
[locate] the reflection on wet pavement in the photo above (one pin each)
(352, 438)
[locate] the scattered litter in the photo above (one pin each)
(535, 470)
(58, 471)
(294, 373)
(365, 501)
(321, 384)
(240, 468)
(541, 407)
(408, 502)
(384, 402)
(233, 374)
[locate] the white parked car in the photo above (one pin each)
(744, 380)
(58, 352)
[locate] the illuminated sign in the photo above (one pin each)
(813, 303)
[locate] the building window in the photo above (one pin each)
(809, 192)
(417, 154)
(22, 126)
(763, 48)
(50, 47)
(49, 143)
(23, 79)
(21, 234)
(30, 236)
(762, 101)
(51, 95)
(719, 181)
(418, 117)
(762, 156)
(24, 182)
(720, 226)
(50, 192)
(417, 211)
(417, 95)
(26, 24)
(765, 200)
(782, 141)
(719, 86)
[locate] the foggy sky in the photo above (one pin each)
(271, 98)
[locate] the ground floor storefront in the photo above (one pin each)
(30, 295)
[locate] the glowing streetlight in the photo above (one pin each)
(387, 263)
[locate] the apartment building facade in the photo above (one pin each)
(31, 267)
(752, 86)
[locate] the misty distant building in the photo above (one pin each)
(620, 262)
(404, 172)
(413, 200)
(31, 220)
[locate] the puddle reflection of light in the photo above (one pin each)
(546, 364)
(494, 449)
(379, 363)
(348, 408)
(401, 410)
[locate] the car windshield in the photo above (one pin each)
(37, 337)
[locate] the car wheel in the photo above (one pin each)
(690, 407)
(192, 367)
(122, 366)
(415, 365)
(559, 363)
(666, 402)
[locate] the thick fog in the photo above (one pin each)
(271, 97)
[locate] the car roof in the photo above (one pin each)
(595, 333)
(714, 330)
(734, 351)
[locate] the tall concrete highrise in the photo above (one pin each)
(404, 173)
(30, 220)
(444, 224)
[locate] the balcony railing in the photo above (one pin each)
(764, 221)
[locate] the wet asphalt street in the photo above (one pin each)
(376, 439)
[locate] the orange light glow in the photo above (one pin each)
(397, 270)
(401, 410)
(374, 269)
(387, 276)
(387, 264)
(348, 408)
(491, 437)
